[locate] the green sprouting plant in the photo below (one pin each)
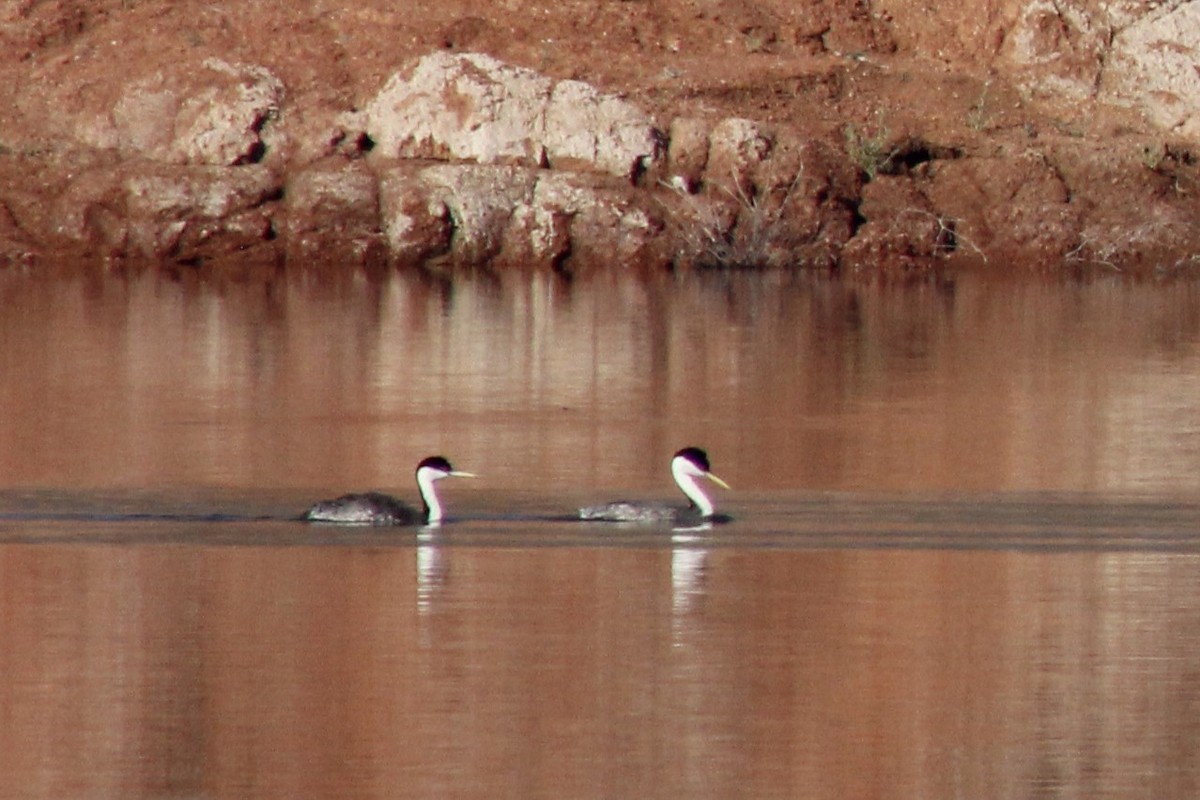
(869, 152)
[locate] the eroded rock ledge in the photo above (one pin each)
(462, 158)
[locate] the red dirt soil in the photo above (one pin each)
(995, 176)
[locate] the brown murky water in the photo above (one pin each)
(964, 561)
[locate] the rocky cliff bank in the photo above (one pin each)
(613, 134)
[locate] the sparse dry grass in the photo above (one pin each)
(754, 235)
(948, 237)
(868, 150)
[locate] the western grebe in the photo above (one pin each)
(688, 465)
(374, 508)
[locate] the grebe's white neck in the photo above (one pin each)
(685, 474)
(426, 478)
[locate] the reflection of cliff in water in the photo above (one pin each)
(789, 380)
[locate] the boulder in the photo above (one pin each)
(472, 107)
(1153, 65)
(213, 114)
(416, 226)
(481, 201)
(736, 148)
(332, 208)
(588, 130)
(460, 211)
(687, 152)
(587, 221)
(471, 214)
(151, 210)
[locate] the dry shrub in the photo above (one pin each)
(735, 227)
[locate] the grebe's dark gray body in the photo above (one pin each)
(687, 466)
(374, 508)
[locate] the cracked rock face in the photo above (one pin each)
(1137, 54)
(472, 107)
(1154, 64)
(473, 214)
(152, 210)
(212, 115)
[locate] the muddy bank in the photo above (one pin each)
(577, 136)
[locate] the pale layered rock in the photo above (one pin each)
(481, 201)
(1058, 48)
(1153, 66)
(332, 208)
(460, 211)
(474, 214)
(205, 192)
(687, 152)
(178, 214)
(334, 189)
(461, 106)
(589, 218)
(155, 211)
(416, 226)
(589, 130)
(1131, 53)
(472, 107)
(212, 114)
(736, 148)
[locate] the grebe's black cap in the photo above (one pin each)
(436, 462)
(696, 456)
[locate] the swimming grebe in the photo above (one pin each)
(688, 465)
(374, 508)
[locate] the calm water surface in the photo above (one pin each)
(964, 561)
